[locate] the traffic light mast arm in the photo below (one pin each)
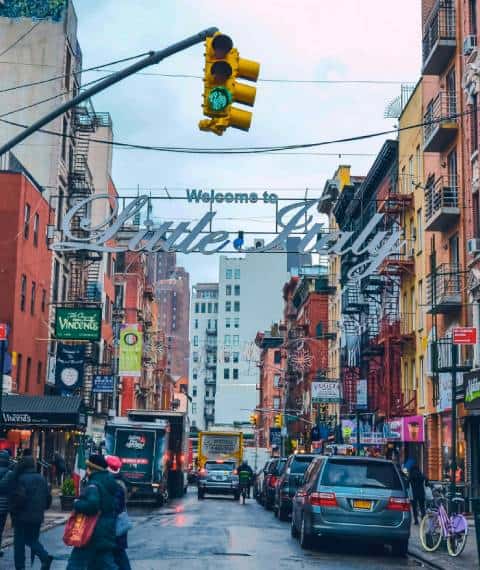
(152, 59)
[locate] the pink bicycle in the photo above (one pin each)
(438, 525)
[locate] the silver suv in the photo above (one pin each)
(218, 477)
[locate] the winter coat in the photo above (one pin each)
(4, 470)
(120, 506)
(417, 482)
(99, 495)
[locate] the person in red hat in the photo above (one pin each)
(114, 464)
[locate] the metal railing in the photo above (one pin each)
(442, 108)
(447, 284)
(407, 323)
(441, 193)
(441, 25)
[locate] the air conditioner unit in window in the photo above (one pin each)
(473, 246)
(469, 44)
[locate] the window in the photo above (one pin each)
(44, 300)
(421, 384)
(236, 340)
(476, 213)
(345, 473)
(472, 16)
(64, 139)
(236, 322)
(236, 306)
(226, 373)
(276, 403)
(236, 357)
(19, 372)
(56, 277)
(237, 290)
(420, 229)
(421, 317)
(228, 273)
(195, 340)
(194, 408)
(228, 306)
(226, 357)
(194, 391)
(228, 290)
(277, 357)
(235, 373)
(32, 297)
(215, 308)
(404, 181)
(26, 221)
(119, 296)
(27, 374)
(276, 381)
(195, 357)
(203, 307)
(237, 273)
(419, 165)
(68, 70)
(197, 307)
(36, 224)
(39, 373)
(474, 123)
(60, 210)
(209, 307)
(226, 340)
(23, 292)
(228, 322)
(109, 264)
(411, 174)
(195, 374)
(195, 324)
(64, 288)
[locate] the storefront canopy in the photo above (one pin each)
(42, 411)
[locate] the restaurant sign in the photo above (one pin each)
(78, 323)
(472, 389)
(325, 392)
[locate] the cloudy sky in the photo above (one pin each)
(333, 40)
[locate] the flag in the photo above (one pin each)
(80, 468)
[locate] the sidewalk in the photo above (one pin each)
(440, 559)
(53, 517)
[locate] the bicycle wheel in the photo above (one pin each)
(431, 532)
(458, 535)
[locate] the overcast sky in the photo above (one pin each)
(376, 40)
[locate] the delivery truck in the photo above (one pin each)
(142, 447)
(220, 446)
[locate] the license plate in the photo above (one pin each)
(362, 505)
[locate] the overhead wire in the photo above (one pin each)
(19, 39)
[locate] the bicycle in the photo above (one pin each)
(244, 481)
(438, 525)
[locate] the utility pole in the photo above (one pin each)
(152, 59)
(453, 486)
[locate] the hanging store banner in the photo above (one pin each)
(472, 390)
(130, 351)
(69, 366)
(102, 384)
(275, 437)
(195, 237)
(325, 392)
(409, 429)
(78, 323)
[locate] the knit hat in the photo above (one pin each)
(97, 462)
(114, 464)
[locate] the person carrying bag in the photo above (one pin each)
(123, 522)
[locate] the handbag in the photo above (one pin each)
(123, 524)
(79, 529)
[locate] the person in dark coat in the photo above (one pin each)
(417, 480)
(4, 470)
(97, 497)
(114, 465)
(60, 468)
(29, 498)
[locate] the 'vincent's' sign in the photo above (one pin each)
(371, 247)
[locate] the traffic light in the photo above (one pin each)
(223, 66)
(278, 420)
(253, 419)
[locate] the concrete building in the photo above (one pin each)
(203, 356)
(249, 301)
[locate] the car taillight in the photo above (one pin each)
(323, 500)
(398, 504)
(272, 481)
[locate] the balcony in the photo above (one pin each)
(444, 291)
(391, 201)
(210, 365)
(211, 332)
(401, 260)
(210, 382)
(439, 42)
(352, 300)
(441, 204)
(441, 124)
(210, 348)
(209, 399)
(209, 415)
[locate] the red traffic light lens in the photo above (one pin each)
(221, 45)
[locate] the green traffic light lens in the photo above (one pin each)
(219, 98)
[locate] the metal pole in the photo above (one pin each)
(453, 486)
(152, 59)
(116, 342)
(358, 432)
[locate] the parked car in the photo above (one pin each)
(274, 470)
(290, 480)
(258, 482)
(355, 498)
(218, 477)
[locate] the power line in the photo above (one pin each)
(19, 39)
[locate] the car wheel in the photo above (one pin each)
(293, 529)
(282, 514)
(306, 540)
(200, 495)
(400, 548)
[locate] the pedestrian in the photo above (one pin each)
(98, 497)
(244, 466)
(29, 498)
(60, 468)
(4, 470)
(114, 465)
(417, 481)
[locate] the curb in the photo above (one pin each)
(425, 560)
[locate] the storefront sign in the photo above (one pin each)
(212, 196)
(409, 429)
(472, 389)
(325, 392)
(130, 351)
(444, 392)
(102, 384)
(78, 323)
(464, 335)
(69, 366)
(275, 437)
(372, 245)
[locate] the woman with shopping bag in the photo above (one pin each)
(417, 481)
(123, 523)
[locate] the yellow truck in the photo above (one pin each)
(220, 446)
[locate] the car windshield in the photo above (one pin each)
(369, 474)
(219, 466)
(299, 465)
(279, 467)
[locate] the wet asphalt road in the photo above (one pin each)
(219, 534)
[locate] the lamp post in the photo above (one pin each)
(117, 320)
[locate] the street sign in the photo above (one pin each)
(3, 331)
(465, 335)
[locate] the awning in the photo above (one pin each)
(42, 411)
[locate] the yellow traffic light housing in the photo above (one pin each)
(223, 66)
(253, 419)
(278, 420)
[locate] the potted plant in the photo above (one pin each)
(68, 494)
